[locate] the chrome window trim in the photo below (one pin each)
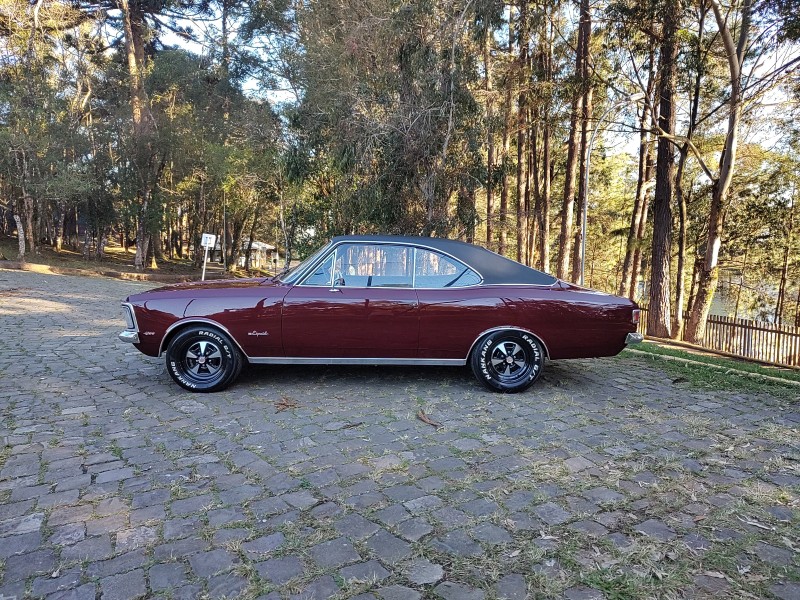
(415, 247)
(310, 272)
(506, 328)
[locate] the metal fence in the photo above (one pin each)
(756, 340)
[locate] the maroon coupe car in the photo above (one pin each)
(381, 300)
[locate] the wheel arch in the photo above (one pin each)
(179, 326)
(508, 328)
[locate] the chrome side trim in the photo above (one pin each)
(199, 321)
(504, 328)
(634, 338)
(293, 360)
(131, 337)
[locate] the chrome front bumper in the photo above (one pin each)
(132, 337)
(634, 338)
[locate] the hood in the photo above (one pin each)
(188, 290)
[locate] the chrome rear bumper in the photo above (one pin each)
(132, 337)
(634, 338)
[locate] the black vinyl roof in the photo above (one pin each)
(494, 269)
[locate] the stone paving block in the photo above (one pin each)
(782, 557)
(45, 585)
(117, 565)
(552, 514)
(423, 572)
(278, 571)
(392, 515)
(68, 534)
(104, 525)
(127, 586)
(320, 589)
(130, 539)
(490, 534)
(301, 499)
(388, 547)
(511, 587)
(588, 528)
(91, 548)
(114, 475)
(656, 529)
(263, 545)
(414, 529)
(87, 591)
(166, 576)
(71, 514)
(370, 571)
(22, 524)
(19, 544)
(193, 504)
(398, 592)
(355, 526)
(207, 564)
(457, 543)
(788, 590)
(334, 553)
(450, 590)
(226, 585)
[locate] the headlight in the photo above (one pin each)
(128, 315)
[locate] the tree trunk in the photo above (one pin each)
(547, 167)
(144, 129)
(627, 286)
(522, 130)
(62, 213)
(583, 192)
(709, 275)
(506, 146)
(680, 289)
(658, 313)
(487, 67)
(27, 209)
(568, 206)
(20, 238)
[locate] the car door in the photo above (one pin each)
(357, 303)
(453, 308)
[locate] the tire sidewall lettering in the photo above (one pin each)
(533, 351)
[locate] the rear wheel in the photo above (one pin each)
(507, 361)
(203, 359)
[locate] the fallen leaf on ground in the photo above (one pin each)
(426, 419)
(285, 403)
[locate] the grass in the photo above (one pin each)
(116, 259)
(723, 373)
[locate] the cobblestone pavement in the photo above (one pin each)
(609, 478)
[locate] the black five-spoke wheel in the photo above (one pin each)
(508, 361)
(203, 359)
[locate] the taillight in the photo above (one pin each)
(636, 315)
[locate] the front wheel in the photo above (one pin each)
(203, 359)
(508, 361)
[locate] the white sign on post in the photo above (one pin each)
(207, 241)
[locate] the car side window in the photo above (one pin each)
(373, 265)
(434, 270)
(322, 274)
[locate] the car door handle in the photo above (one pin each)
(334, 289)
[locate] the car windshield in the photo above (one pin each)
(290, 275)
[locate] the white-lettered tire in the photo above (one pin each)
(203, 359)
(507, 361)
